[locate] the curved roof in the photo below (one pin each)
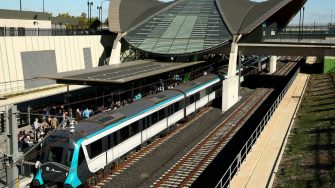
(125, 14)
(243, 16)
(188, 26)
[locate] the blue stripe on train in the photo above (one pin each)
(73, 179)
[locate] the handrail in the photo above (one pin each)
(21, 31)
(225, 179)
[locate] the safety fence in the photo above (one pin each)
(306, 34)
(3, 169)
(235, 165)
(21, 31)
(12, 87)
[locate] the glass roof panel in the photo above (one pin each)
(188, 26)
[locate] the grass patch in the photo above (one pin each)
(309, 156)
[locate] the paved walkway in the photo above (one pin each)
(257, 170)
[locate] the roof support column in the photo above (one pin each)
(116, 51)
(273, 64)
(230, 86)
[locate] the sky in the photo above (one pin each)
(318, 11)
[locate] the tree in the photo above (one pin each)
(83, 22)
(95, 24)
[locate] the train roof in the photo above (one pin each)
(187, 86)
(104, 119)
(91, 125)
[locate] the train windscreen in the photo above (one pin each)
(57, 150)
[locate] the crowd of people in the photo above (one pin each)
(40, 127)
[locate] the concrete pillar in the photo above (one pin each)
(2, 122)
(12, 147)
(231, 84)
(116, 51)
(273, 64)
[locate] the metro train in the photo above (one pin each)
(71, 156)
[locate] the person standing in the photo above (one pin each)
(54, 123)
(36, 127)
(86, 113)
(78, 115)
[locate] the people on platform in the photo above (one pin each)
(36, 127)
(86, 113)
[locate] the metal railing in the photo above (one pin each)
(235, 165)
(21, 31)
(306, 34)
(12, 87)
(3, 169)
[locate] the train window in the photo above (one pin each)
(202, 93)
(112, 140)
(124, 134)
(146, 122)
(208, 90)
(161, 114)
(154, 118)
(134, 128)
(69, 157)
(95, 149)
(192, 99)
(187, 101)
(55, 154)
(197, 96)
(176, 107)
(181, 104)
(81, 156)
(169, 110)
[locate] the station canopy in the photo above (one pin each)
(185, 27)
(117, 74)
(182, 27)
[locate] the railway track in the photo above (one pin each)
(192, 164)
(136, 156)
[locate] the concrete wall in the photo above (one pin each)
(68, 51)
(43, 24)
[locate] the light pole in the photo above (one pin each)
(299, 26)
(303, 18)
(101, 11)
(20, 5)
(331, 17)
(100, 14)
(43, 5)
(89, 6)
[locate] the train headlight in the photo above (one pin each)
(37, 164)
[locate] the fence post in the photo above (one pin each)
(239, 161)
(2, 122)
(12, 147)
(28, 115)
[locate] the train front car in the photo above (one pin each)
(53, 168)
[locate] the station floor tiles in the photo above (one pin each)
(257, 169)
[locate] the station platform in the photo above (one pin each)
(259, 168)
